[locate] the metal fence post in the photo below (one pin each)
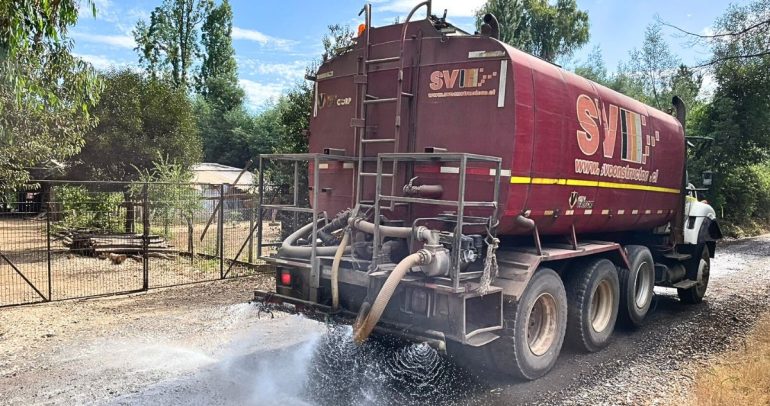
(48, 248)
(251, 228)
(145, 238)
(221, 232)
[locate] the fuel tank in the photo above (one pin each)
(574, 153)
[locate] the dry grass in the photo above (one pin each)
(741, 377)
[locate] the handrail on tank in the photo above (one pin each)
(428, 7)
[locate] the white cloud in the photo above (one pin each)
(118, 41)
(258, 94)
(291, 71)
(455, 8)
(100, 62)
(263, 39)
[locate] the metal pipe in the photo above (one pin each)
(524, 222)
(427, 191)
(422, 233)
(491, 27)
(289, 250)
(386, 231)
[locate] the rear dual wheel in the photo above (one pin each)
(593, 294)
(636, 285)
(533, 331)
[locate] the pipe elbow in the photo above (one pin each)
(524, 222)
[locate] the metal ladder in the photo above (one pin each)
(364, 99)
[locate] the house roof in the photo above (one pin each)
(215, 174)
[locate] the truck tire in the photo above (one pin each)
(697, 270)
(593, 294)
(535, 328)
(636, 285)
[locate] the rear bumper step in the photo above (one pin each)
(323, 313)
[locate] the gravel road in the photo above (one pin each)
(204, 344)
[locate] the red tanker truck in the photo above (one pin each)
(464, 193)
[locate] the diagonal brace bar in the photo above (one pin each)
(23, 277)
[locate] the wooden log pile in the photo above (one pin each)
(102, 245)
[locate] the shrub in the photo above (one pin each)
(82, 208)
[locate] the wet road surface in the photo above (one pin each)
(225, 354)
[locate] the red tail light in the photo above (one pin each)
(286, 278)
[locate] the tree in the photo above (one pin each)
(338, 38)
(546, 30)
(218, 81)
(168, 45)
(653, 65)
(140, 119)
(234, 137)
(743, 32)
(593, 68)
(226, 128)
(737, 118)
(686, 84)
(168, 187)
(297, 105)
(45, 92)
(512, 18)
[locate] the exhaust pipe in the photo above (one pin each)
(490, 28)
(680, 109)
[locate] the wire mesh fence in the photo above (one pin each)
(63, 240)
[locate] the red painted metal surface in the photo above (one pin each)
(574, 152)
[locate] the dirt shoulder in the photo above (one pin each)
(738, 377)
(88, 351)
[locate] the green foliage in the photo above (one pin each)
(686, 84)
(233, 137)
(338, 39)
(543, 28)
(742, 34)
(744, 194)
(169, 191)
(218, 81)
(168, 45)
(651, 76)
(45, 93)
(738, 117)
(139, 119)
(594, 68)
(84, 209)
(295, 110)
(229, 133)
(653, 66)
(295, 107)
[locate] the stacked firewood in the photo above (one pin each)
(109, 245)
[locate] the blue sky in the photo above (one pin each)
(275, 40)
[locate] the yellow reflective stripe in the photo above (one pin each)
(590, 183)
(520, 179)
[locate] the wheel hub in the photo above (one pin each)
(541, 324)
(703, 277)
(601, 306)
(642, 289)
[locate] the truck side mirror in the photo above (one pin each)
(707, 178)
